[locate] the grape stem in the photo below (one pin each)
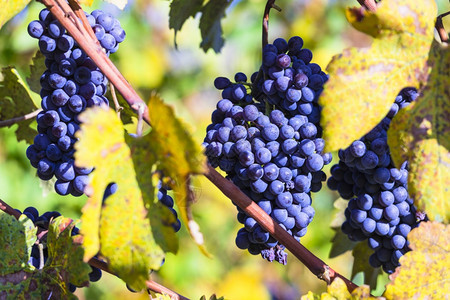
(94, 262)
(15, 120)
(118, 107)
(440, 27)
(369, 5)
(61, 10)
(312, 262)
(265, 24)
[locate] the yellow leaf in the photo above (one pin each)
(337, 290)
(423, 273)
(178, 157)
(420, 134)
(364, 81)
(118, 227)
(10, 9)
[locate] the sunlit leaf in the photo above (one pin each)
(338, 290)
(210, 27)
(178, 157)
(15, 101)
(361, 252)
(423, 273)
(420, 134)
(365, 81)
(16, 238)
(117, 227)
(10, 9)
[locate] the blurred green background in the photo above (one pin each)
(184, 77)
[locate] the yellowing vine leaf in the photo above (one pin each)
(118, 227)
(178, 157)
(364, 81)
(10, 9)
(16, 101)
(420, 134)
(423, 273)
(338, 290)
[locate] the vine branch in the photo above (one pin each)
(369, 5)
(95, 262)
(440, 27)
(265, 24)
(15, 120)
(312, 262)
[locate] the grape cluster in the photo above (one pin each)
(379, 208)
(71, 83)
(275, 159)
(167, 201)
(39, 251)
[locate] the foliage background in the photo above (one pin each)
(184, 78)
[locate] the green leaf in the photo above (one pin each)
(10, 9)
(159, 215)
(16, 101)
(65, 254)
(178, 157)
(180, 11)
(365, 81)
(213, 297)
(420, 134)
(361, 252)
(118, 227)
(210, 27)
(16, 238)
(37, 69)
(340, 243)
(423, 272)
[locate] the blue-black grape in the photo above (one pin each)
(71, 83)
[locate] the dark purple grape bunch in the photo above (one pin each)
(379, 208)
(167, 201)
(275, 159)
(291, 81)
(71, 83)
(39, 250)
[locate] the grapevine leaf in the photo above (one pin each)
(10, 9)
(424, 270)
(118, 226)
(340, 243)
(178, 157)
(65, 254)
(361, 252)
(159, 215)
(16, 101)
(37, 69)
(338, 290)
(126, 113)
(420, 134)
(180, 11)
(16, 238)
(210, 27)
(213, 297)
(364, 81)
